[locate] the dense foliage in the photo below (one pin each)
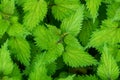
(59, 39)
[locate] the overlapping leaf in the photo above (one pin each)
(113, 11)
(3, 27)
(47, 39)
(16, 74)
(35, 11)
(86, 31)
(108, 68)
(93, 6)
(16, 29)
(64, 8)
(6, 64)
(109, 33)
(21, 49)
(39, 73)
(74, 54)
(8, 6)
(72, 24)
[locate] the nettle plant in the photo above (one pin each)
(59, 39)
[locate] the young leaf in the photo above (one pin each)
(8, 6)
(93, 6)
(72, 24)
(75, 56)
(35, 11)
(21, 49)
(108, 68)
(64, 8)
(6, 64)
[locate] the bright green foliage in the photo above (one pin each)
(109, 33)
(86, 31)
(59, 39)
(72, 25)
(21, 49)
(113, 11)
(3, 27)
(52, 54)
(48, 39)
(117, 15)
(93, 6)
(8, 6)
(16, 29)
(45, 38)
(39, 73)
(15, 75)
(35, 11)
(86, 77)
(64, 8)
(108, 68)
(75, 55)
(6, 64)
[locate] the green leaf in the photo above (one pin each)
(41, 37)
(108, 68)
(109, 33)
(86, 31)
(8, 6)
(93, 7)
(39, 73)
(46, 37)
(86, 77)
(20, 2)
(53, 53)
(75, 55)
(35, 11)
(50, 55)
(117, 15)
(15, 75)
(113, 10)
(51, 68)
(70, 77)
(3, 27)
(21, 49)
(17, 30)
(64, 8)
(6, 64)
(72, 24)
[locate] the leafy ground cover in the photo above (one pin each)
(59, 39)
